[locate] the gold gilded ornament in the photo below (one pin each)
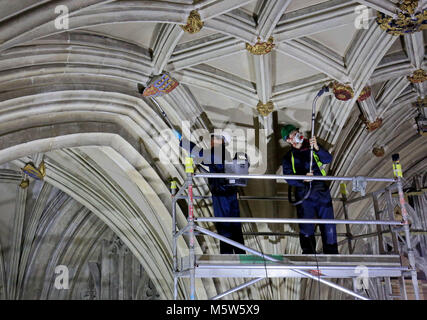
(407, 21)
(418, 76)
(342, 92)
(261, 48)
(194, 23)
(24, 184)
(36, 173)
(408, 6)
(371, 126)
(265, 109)
(365, 94)
(421, 103)
(378, 151)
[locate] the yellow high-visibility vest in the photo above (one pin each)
(316, 158)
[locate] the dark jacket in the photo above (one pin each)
(302, 163)
(211, 159)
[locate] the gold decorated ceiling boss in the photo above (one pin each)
(194, 23)
(418, 76)
(265, 109)
(408, 20)
(261, 48)
(342, 92)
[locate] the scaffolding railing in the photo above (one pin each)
(284, 263)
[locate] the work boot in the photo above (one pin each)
(330, 248)
(308, 244)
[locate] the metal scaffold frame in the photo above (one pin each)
(284, 267)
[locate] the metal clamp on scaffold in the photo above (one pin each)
(397, 168)
(343, 189)
(189, 165)
(173, 187)
(359, 185)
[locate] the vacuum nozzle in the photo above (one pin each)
(323, 90)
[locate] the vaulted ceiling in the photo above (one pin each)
(69, 96)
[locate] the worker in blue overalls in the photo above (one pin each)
(318, 204)
(224, 196)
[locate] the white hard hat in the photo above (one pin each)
(224, 135)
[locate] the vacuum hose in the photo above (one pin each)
(313, 118)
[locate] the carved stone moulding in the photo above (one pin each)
(265, 109)
(342, 92)
(194, 23)
(261, 48)
(418, 76)
(378, 151)
(365, 94)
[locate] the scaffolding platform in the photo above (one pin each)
(329, 266)
(319, 267)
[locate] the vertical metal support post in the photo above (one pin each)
(343, 190)
(397, 169)
(192, 263)
(379, 229)
(402, 287)
(174, 239)
(383, 289)
(390, 210)
(421, 211)
(355, 287)
(388, 288)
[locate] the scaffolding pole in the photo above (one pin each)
(343, 191)
(243, 285)
(411, 256)
(299, 221)
(286, 177)
(257, 253)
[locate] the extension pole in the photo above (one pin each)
(313, 119)
(162, 112)
(397, 170)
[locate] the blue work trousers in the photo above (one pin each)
(317, 206)
(228, 206)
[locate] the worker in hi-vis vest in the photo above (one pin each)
(318, 204)
(224, 195)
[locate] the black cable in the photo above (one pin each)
(317, 265)
(265, 266)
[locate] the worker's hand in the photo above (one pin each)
(313, 142)
(309, 174)
(177, 134)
